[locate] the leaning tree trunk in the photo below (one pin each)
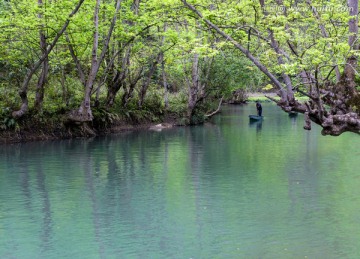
(246, 52)
(25, 85)
(288, 95)
(343, 98)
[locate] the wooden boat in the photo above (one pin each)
(255, 117)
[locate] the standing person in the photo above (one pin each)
(258, 108)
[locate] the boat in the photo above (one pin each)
(255, 117)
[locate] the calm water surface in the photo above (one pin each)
(228, 189)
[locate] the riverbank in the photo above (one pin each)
(54, 126)
(35, 129)
(42, 133)
(262, 97)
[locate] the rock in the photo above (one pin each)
(161, 126)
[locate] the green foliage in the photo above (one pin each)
(165, 29)
(197, 118)
(268, 87)
(178, 103)
(294, 26)
(57, 98)
(6, 121)
(230, 71)
(104, 118)
(154, 102)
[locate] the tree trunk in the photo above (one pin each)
(39, 96)
(247, 53)
(351, 63)
(84, 113)
(332, 123)
(147, 81)
(165, 85)
(193, 87)
(40, 89)
(343, 96)
(289, 97)
(163, 73)
(128, 91)
(118, 80)
(24, 88)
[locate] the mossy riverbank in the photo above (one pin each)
(54, 125)
(46, 127)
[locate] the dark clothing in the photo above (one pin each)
(259, 108)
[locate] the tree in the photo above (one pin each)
(45, 65)
(299, 46)
(84, 113)
(19, 10)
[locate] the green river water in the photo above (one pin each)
(227, 189)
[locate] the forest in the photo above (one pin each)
(81, 66)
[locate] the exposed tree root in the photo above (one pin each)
(80, 115)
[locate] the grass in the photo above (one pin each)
(262, 98)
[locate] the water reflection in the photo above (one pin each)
(293, 114)
(211, 191)
(257, 125)
(293, 117)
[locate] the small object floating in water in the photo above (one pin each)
(255, 117)
(161, 126)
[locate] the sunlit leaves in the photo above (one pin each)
(308, 33)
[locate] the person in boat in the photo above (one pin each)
(259, 108)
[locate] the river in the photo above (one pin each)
(226, 189)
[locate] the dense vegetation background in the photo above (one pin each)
(86, 65)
